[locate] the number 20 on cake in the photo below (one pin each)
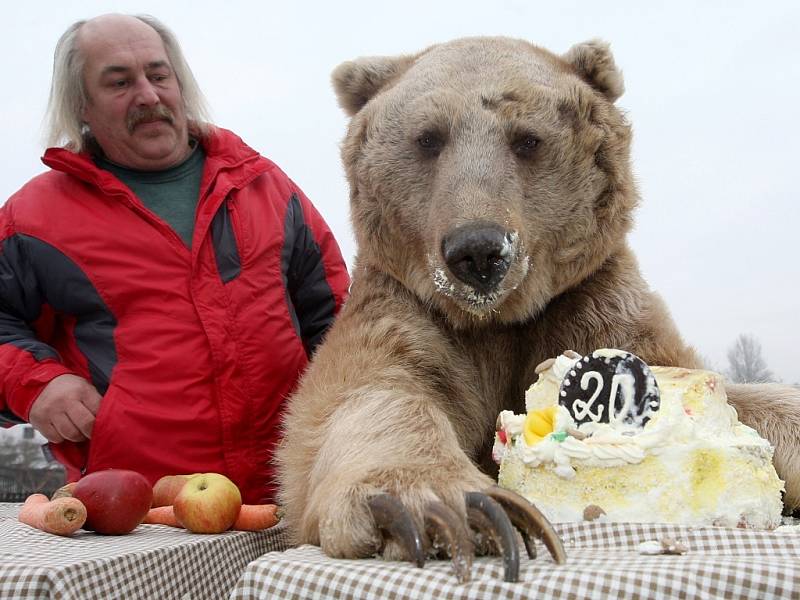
(607, 436)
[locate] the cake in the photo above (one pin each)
(605, 436)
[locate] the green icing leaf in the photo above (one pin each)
(559, 436)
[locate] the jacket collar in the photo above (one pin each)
(227, 157)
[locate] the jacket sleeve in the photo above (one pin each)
(27, 364)
(317, 279)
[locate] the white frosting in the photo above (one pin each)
(608, 353)
(650, 547)
(614, 444)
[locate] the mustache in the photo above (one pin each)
(143, 115)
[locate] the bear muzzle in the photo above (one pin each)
(478, 254)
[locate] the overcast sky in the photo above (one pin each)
(713, 92)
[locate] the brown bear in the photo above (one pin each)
(491, 195)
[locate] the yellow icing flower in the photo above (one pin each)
(539, 424)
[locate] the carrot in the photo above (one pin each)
(161, 515)
(252, 517)
(255, 517)
(62, 516)
(65, 491)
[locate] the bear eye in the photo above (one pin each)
(525, 145)
(431, 143)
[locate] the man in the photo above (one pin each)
(163, 286)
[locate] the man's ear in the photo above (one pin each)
(83, 108)
(356, 81)
(594, 64)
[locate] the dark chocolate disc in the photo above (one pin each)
(610, 386)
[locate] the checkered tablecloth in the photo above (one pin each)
(153, 561)
(603, 562)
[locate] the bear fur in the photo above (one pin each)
(488, 134)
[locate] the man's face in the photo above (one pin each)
(135, 109)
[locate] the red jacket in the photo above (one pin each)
(194, 351)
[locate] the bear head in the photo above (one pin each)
(487, 175)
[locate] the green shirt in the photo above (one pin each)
(172, 194)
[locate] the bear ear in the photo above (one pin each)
(594, 64)
(356, 81)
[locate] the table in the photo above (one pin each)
(153, 561)
(603, 562)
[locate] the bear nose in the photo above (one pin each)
(478, 254)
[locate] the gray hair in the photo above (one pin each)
(64, 125)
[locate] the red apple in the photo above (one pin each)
(207, 503)
(116, 500)
(166, 488)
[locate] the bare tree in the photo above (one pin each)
(745, 362)
(708, 364)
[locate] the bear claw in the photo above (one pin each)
(501, 524)
(530, 522)
(393, 520)
(493, 515)
(446, 531)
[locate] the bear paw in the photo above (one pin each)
(491, 515)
